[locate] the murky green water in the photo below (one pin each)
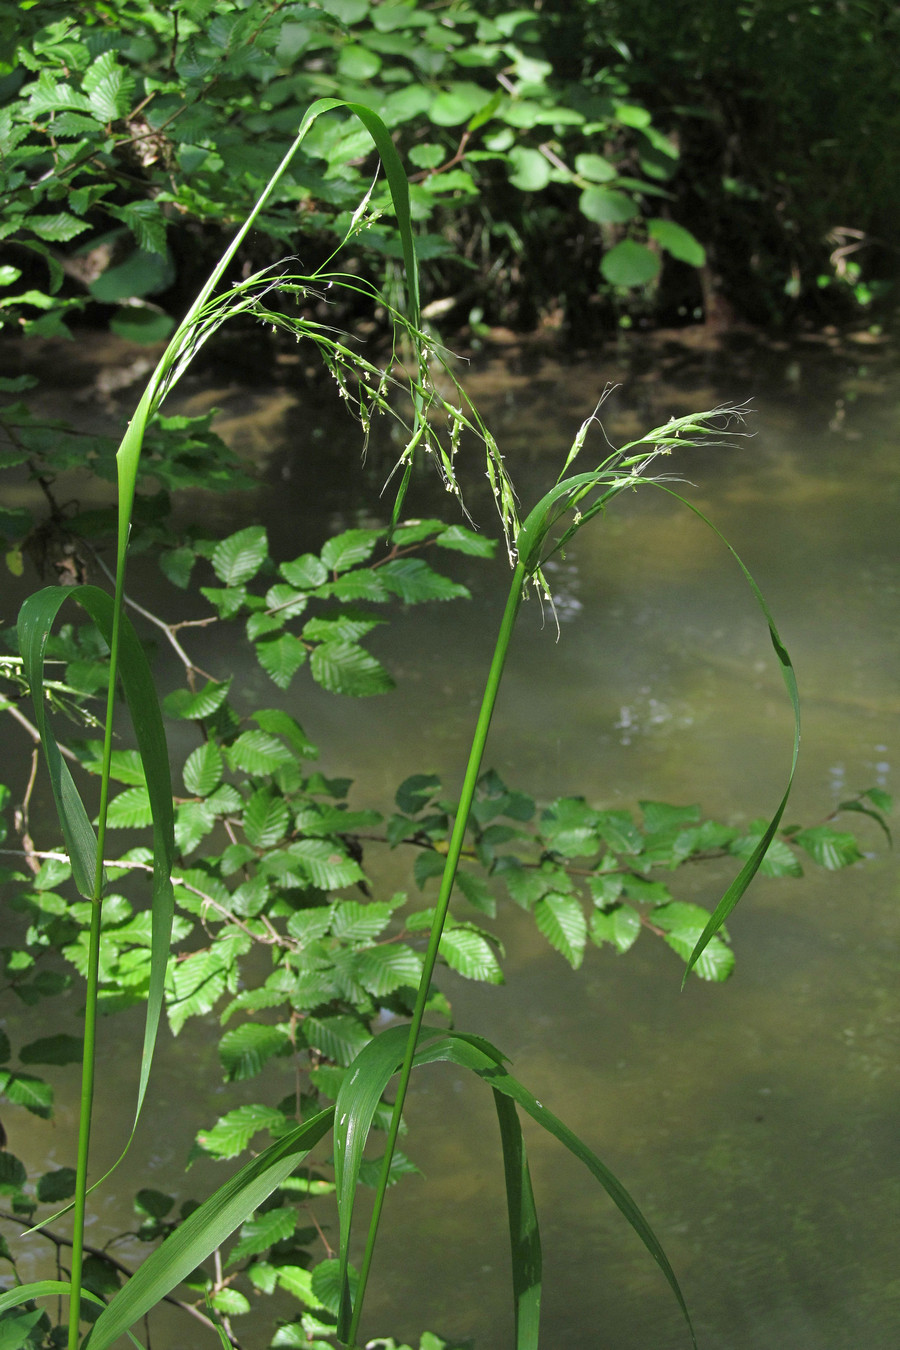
(756, 1122)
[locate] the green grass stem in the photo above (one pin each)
(454, 850)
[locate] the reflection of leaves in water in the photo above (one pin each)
(646, 715)
(564, 583)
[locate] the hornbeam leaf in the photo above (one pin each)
(203, 769)
(232, 1132)
(263, 1231)
(349, 549)
(239, 557)
(414, 581)
(561, 920)
(470, 954)
(206, 1229)
(244, 1050)
(346, 668)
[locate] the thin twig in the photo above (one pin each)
(59, 1241)
(168, 629)
(34, 733)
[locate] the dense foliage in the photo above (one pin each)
(280, 931)
(131, 138)
(592, 160)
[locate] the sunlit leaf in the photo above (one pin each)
(244, 1050)
(239, 557)
(561, 920)
(345, 668)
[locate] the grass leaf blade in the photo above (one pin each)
(751, 866)
(206, 1229)
(524, 1231)
(36, 618)
(146, 718)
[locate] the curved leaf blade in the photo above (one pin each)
(206, 1229)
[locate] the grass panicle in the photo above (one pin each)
(566, 508)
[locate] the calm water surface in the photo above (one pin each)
(756, 1122)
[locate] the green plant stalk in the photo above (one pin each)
(184, 342)
(88, 1058)
(84, 1121)
(457, 838)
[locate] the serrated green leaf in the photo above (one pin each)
(257, 752)
(561, 920)
(147, 223)
(348, 549)
(339, 1038)
(13, 1175)
(306, 573)
(285, 601)
(230, 1302)
(232, 1132)
(426, 865)
(109, 87)
(682, 926)
(829, 848)
(384, 970)
(203, 769)
(476, 891)
(266, 819)
(605, 887)
(239, 557)
(352, 921)
(415, 582)
(347, 625)
(177, 564)
(345, 668)
(280, 657)
(660, 816)
(184, 703)
(244, 1050)
(570, 827)
(362, 584)
(58, 228)
(33, 1093)
(130, 809)
(778, 861)
(619, 831)
(281, 723)
(470, 954)
(323, 863)
(262, 1232)
(461, 540)
(415, 792)
(645, 892)
(620, 925)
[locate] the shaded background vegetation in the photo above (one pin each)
(581, 161)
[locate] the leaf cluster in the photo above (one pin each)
(118, 130)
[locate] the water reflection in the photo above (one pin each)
(755, 1123)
